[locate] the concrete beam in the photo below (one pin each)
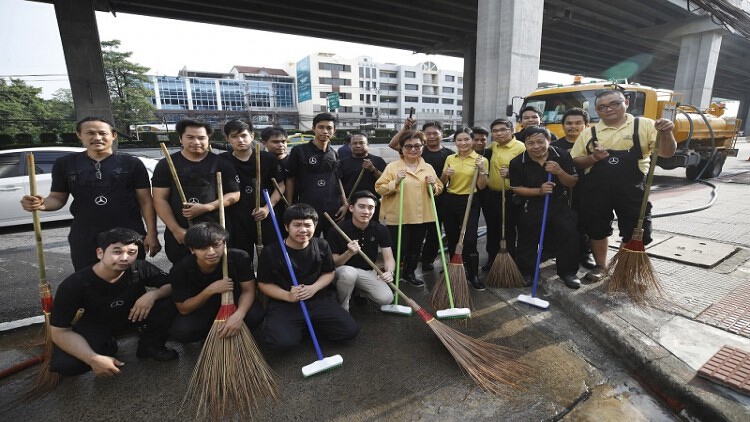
(696, 68)
(469, 87)
(83, 57)
(677, 29)
(509, 39)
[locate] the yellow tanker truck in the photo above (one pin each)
(704, 137)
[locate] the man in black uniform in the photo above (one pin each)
(196, 168)
(274, 139)
(245, 213)
(198, 283)
(531, 116)
(314, 268)
(361, 160)
(528, 179)
(314, 175)
(109, 190)
(113, 296)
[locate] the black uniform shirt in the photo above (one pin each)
(308, 264)
(563, 144)
(525, 172)
(373, 236)
(351, 167)
(246, 172)
(437, 158)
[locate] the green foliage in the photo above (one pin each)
(174, 139)
(69, 138)
(130, 99)
(6, 139)
(22, 110)
(24, 138)
(48, 138)
(217, 136)
(149, 137)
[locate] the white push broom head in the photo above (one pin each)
(397, 309)
(533, 301)
(326, 364)
(453, 313)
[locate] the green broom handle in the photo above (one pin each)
(440, 244)
(649, 181)
(460, 244)
(398, 238)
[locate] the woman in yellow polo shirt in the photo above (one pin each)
(417, 213)
(457, 176)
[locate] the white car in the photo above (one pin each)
(14, 182)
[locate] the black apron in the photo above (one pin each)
(621, 166)
(319, 182)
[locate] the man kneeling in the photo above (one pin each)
(112, 294)
(352, 271)
(198, 284)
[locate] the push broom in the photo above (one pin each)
(175, 177)
(46, 380)
(504, 271)
(456, 272)
(630, 270)
(230, 372)
(395, 308)
(489, 365)
(259, 241)
(462, 289)
(323, 363)
(533, 300)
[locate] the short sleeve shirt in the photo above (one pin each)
(460, 182)
(308, 264)
(374, 236)
(525, 172)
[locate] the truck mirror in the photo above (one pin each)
(509, 110)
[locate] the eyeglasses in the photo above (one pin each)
(412, 146)
(611, 106)
(98, 168)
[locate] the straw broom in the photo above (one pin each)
(630, 270)
(504, 271)
(175, 178)
(259, 241)
(46, 380)
(457, 294)
(489, 365)
(230, 372)
(456, 272)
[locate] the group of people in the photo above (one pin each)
(113, 288)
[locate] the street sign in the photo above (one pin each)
(333, 101)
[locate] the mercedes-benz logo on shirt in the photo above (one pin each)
(313, 160)
(100, 200)
(613, 160)
(116, 304)
(237, 178)
(248, 189)
(321, 182)
(193, 201)
(372, 238)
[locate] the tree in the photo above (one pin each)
(23, 110)
(125, 80)
(62, 109)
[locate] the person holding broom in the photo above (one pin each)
(314, 267)
(245, 213)
(198, 283)
(457, 176)
(614, 154)
(528, 175)
(417, 176)
(195, 167)
(368, 235)
(109, 190)
(360, 170)
(113, 296)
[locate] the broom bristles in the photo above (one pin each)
(46, 380)
(459, 288)
(230, 376)
(504, 272)
(630, 272)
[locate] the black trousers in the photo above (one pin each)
(285, 323)
(430, 249)
(412, 236)
(561, 225)
(492, 207)
(97, 333)
(196, 325)
(454, 207)
(175, 251)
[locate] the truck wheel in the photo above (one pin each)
(717, 164)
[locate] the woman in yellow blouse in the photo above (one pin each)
(457, 176)
(418, 176)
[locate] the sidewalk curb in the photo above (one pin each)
(654, 366)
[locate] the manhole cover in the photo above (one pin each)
(731, 313)
(698, 252)
(729, 367)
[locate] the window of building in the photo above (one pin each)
(204, 94)
(232, 95)
(173, 93)
(460, 80)
(450, 78)
(447, 100)
(342, 95)
(362, 72)
(410, 74)
(334, 66)
(430, 100)
(460, 103)
(361, 97)
(346, 109)
(407, 110)
(361, 84)
(460, 91)
(284, 94)
(448, 112)
(411, 87)
(259, 94)
(448, 90)
(411, 99)
(388, 74)
(335, 81)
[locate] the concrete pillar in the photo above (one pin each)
(509, 40)
(745, 116)
(83, 57)
(469, 86)
(696, 67)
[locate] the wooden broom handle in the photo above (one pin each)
(37, 223)
(278, 188)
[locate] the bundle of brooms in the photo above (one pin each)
(489, 365)
(504, 271)
(630, 270)
(230, 373)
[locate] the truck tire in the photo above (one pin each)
(692, 172)
(717, 165)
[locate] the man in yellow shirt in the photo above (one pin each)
(614, 155)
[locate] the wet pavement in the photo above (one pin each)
(594, 356)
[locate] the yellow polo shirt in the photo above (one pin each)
(501, 156)
(460, 182)
(417, 203)
(620, 138)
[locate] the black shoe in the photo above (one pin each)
(413, 280)
(571, 281)
(160, 353)
(487, 267)
(528, 280)
(587, 261)
(476, 284)
(428, 266)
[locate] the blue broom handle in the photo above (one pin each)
(541, 240)
(291, 273)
